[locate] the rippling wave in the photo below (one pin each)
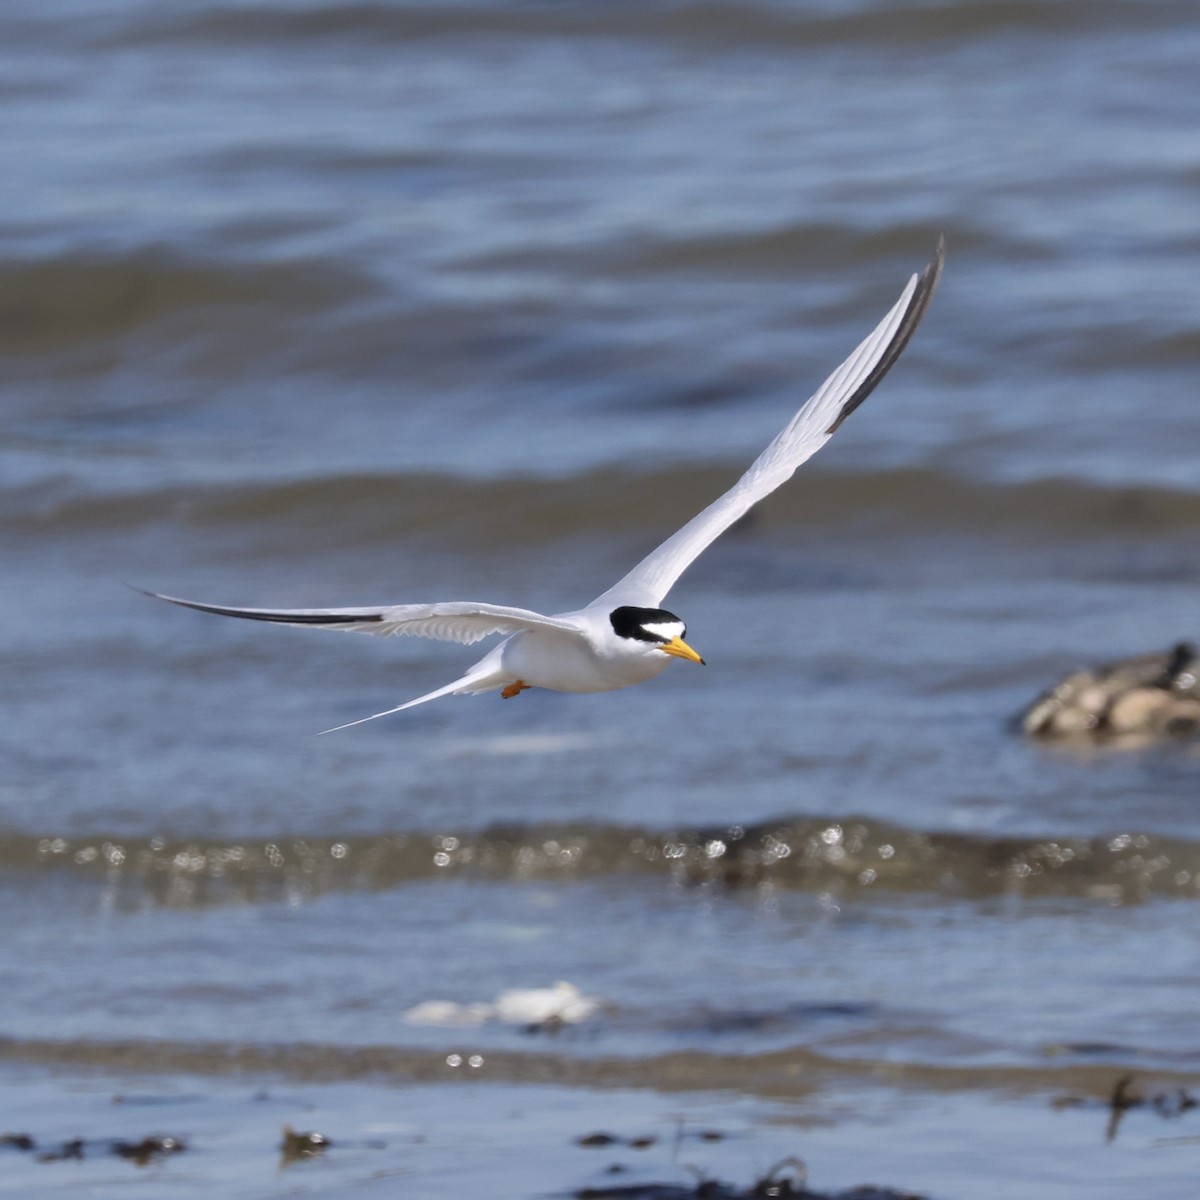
(50, 304)
(809, 854)
(711, 22)
(788, 1072)
(301, 295)
(515, 511)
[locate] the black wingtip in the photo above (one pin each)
(278, 618)
(927, 281)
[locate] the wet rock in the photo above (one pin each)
(300, 1145)
(1140, 699)
(144, 1151)
(1139, 709)
(595, 1140)
(148, 1149)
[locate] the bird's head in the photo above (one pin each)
(655, 629)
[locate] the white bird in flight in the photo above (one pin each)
(624, 636)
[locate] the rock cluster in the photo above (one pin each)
(1148, 696)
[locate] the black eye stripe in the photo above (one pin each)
(630, 622)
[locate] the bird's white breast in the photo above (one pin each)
(564, 662)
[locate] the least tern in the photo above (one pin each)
(624, 636)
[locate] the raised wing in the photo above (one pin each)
(454, 621)
(649, 582)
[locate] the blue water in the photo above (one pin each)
(311, 304)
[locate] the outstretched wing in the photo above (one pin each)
(806, 433)
(454, 621)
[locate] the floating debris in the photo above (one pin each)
(714, 1189)
(17, 1141)
(1136, 700)
(786, 1180)
(1173, 1102)
(450, 1014)
(546, 1008)
(537, 1010)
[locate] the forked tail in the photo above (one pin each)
(483, 677)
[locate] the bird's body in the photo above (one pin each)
(624, 636)
(582, 662)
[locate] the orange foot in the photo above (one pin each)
(514, 689)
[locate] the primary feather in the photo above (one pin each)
(451, 621)
(816, 422)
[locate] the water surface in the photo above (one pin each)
(314, 304)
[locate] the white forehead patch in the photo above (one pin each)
(664, 629)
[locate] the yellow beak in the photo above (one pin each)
(678, 648)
